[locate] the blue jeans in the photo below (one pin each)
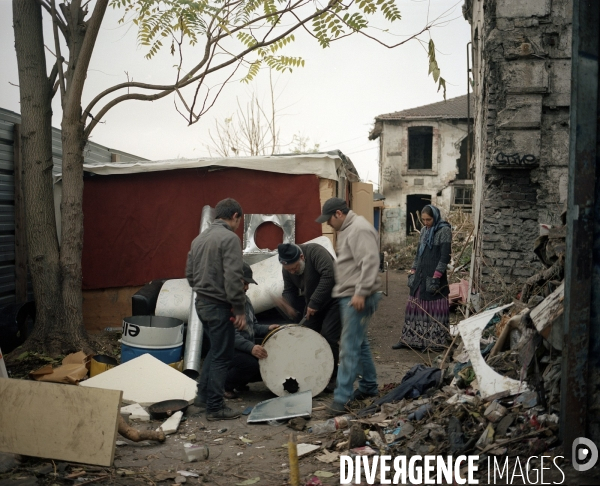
(355, 353)
(215, 318)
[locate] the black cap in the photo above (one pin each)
(330, 207)
(288, 253)
(247, 274)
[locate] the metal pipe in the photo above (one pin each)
(193, 343)
(193, 337)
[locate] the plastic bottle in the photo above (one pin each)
(331, 425)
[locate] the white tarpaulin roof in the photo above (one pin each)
(324, 165)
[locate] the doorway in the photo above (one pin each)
(415, 203)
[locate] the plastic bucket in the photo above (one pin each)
(166, 354)
(152, 331)
(101, 363)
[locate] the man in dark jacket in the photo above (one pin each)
(308, 280)
(244, 366)
(214, 271)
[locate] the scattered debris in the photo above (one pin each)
(329, 457)
(74, 368)
(195, 452)
(138, 435)
(68, 423)
(136, 412)
(286, 407)
(171, 425)
(146, 380)
(305, 449)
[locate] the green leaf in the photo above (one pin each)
(23, 355)
(324, 474)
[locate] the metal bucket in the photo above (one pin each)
(152, 331)
(161, 337)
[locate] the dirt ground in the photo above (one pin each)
(232, 460)
(239, 452)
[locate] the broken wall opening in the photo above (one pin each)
(415, 203)
(462, 164)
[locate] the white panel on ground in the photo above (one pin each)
(146, 380)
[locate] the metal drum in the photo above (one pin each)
(299, 359)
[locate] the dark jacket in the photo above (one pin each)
(435, 258)
(214, 266)
(244, 340)
(317, 281)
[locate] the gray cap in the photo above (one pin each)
(330, 207)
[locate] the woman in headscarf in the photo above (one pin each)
(427, 312)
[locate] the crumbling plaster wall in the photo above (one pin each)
(521, 72)
(397, 181)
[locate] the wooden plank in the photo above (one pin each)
(362, 200)
(106, 307)
(326, 191)
(20, 234)
(63, 422)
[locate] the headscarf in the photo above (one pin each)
(438, 223)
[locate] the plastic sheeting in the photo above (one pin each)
(322, 165)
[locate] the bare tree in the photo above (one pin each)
(228, 34)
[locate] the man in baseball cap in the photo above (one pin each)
(331, 207)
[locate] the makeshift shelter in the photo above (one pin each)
(140, 217)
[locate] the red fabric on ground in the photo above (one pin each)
(139, 227)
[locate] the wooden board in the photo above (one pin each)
(54, 421)
(106, 307)
(327, 191)
(362, 200)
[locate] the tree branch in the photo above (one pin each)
(61, 79)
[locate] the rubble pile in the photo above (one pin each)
(520, 361)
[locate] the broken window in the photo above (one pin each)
(420, 141)
(463, 196)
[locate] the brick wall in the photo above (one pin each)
(521, 72)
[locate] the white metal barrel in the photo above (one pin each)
(299, 359)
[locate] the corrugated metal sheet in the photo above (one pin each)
(93, 154)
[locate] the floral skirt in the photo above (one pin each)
(426, 323)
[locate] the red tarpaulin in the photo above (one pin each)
(139, 227)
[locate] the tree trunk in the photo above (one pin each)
(72, 223)
(53, 333)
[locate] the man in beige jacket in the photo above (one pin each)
(357, 289)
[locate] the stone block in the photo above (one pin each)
(523, 272)
(521, 111)
(509, 262)
(559, 83)
(488, 245)
(505, 24)
(522, 8)
(497, 254)
(524, 76)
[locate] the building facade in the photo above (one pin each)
(521, 80)
(423, 159)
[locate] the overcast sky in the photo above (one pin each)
(333, 100)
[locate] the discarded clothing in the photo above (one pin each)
(415, 383)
